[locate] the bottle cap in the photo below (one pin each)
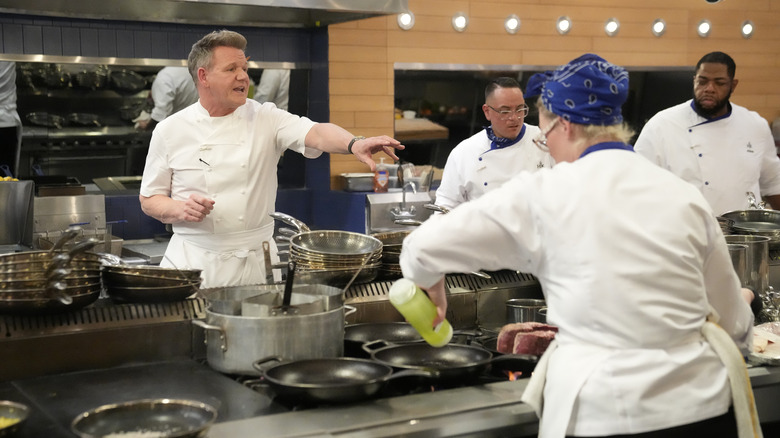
(402, 291)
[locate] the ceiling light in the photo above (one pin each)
(611, 27)
(460, 21)
(659, 27)
(563, 25)
(704, 28)
(512, 24)
(747, 29)
(406, 20)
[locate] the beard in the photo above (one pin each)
(710, 112)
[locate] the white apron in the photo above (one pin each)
(557, 420)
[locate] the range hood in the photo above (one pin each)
(263, 13)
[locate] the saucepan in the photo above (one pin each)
(758, 223)
(330, 380)
(454, 362)
(164, 418)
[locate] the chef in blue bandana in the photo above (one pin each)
(634, 269)
(492, 156)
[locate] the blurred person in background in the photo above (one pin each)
(173, 89)
(10, 123)
(274, 87)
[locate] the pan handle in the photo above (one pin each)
(426, 372)
(349, 310)
(222, 338)
(258, 363)
(289, 220)
(371, 346)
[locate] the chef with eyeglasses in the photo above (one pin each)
(495, 154)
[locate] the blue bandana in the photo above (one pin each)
(588, 90)
(535, 84)
(498, 142)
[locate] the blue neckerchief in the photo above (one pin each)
(499, 143)
(607, 145)
(728, 113)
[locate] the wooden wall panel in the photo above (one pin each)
(362, 53)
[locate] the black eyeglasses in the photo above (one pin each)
(541, 140)
(520, 111)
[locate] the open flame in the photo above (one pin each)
(513, 375)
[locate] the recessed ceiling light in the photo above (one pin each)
(460, 21)
(704, 28)
(563, 25)
(611, 27)
(512, 23)
(747, 29)
(659, 27)
(406, 20)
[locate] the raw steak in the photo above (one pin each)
(535, 342)
(506, 337)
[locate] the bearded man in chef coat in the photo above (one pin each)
(723, 149)
(211, 167)
(633, 266)
(492, 156)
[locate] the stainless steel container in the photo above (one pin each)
(525, 310)
(738, 254)
(234, 341)
(757, 260)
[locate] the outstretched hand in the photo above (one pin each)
(365, 149)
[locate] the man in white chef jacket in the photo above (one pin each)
(631, 261)
(492, 156)
(10, 123)
(723, 149)
(172, 90)
(211, 167)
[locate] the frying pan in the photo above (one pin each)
(453, 362)
(14, 411)
(355, 335)
(127, 81)
(84, 119)
(40, 118)
(167, 418)
(330, 380)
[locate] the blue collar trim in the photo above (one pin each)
(608, 145)
(500, 143)
(728, 114)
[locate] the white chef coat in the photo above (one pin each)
(724, 159)
(274, 87)
(9, 117)
(473, 169)
(172, 90)
(232, 160)
(629, 258)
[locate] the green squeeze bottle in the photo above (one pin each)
(420, 312)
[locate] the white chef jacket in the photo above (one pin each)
(629, 258)
(724, 159)
(232, 160)
(8, 114)
(274, 87)
(473, 169)
(172, 90)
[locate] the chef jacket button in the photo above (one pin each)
(480, 158)
(243, 164)
(241, 218)
(699, 155)
(484, 184)
(243, 192)
(690, 130)
(706, 183)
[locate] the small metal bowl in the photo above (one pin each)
(167, 418)
(13, 415)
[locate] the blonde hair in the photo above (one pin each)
(594, 133)
(203, 50)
